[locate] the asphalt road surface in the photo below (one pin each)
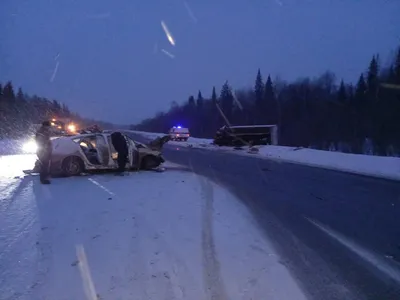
(338, 233)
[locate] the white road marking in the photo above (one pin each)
(85, 273)
(101, 186)
(376, 260)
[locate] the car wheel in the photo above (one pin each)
(72, 166)
(150, 162)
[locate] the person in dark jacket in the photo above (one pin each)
(121, 146)
(44, 151)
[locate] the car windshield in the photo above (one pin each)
(255, 150)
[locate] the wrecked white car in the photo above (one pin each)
(73, 155)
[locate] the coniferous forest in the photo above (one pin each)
(322, 113)
(18, 111)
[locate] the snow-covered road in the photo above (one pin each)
(171, 235)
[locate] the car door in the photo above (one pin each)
(84, 148)
(103, 150)
(133, 152)
(113, 153)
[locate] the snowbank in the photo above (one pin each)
(171, 235)
(12, 165)
(376, 166)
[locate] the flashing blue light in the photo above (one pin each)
(179, 127)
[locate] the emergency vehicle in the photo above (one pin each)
(178, 133)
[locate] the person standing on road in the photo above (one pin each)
(121, 146)
(44, 151)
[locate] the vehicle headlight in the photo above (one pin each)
(72, 127)
(30, 147)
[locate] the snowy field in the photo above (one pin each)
(171, 235)
(377, 166)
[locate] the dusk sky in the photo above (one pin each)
(106, 59)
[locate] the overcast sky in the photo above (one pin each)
(112, 60)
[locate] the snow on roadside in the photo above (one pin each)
(13, 165)
(376, 166)
(172, 235)
(18, 227)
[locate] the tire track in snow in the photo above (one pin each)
(164, 274)
(178, 275)
(211, 267)
(9, 191)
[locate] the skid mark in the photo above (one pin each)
(211, 267)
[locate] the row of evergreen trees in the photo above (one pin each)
(314, 113)
(18, 111)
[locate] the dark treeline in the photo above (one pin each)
(320, 113)
(18, 111)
